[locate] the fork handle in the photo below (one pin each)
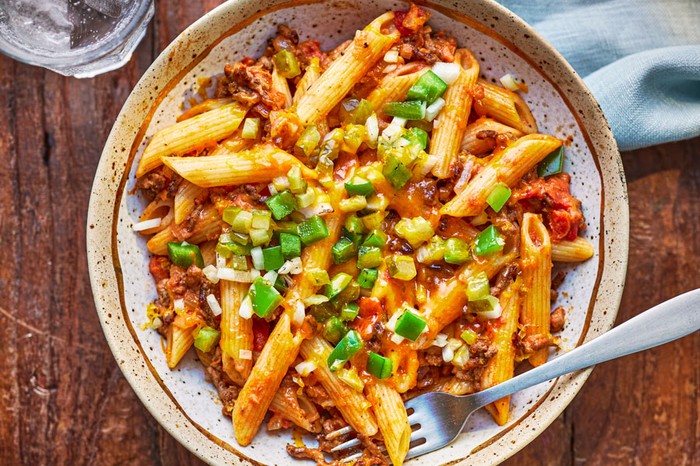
(668, 321)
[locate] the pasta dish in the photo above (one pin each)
(336, 232)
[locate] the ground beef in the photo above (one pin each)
(557, 319)
(159, 266)
(533, 343)
(228, 392)
(151, 183)
(250, 82)
(288, 39)
(504, 278)
(433, 356)
(163, 295)
(306, 453)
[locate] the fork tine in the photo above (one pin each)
(339, 432)
(349, 444)
(353, 457)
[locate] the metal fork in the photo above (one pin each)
(437, 418)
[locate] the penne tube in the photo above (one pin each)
(296, 408)
(207, 226)
(450, 126)
(258, 165)
(256, 396)
(179, 342)
(185, 197)
(280, 84)
(501, 366)
(392, 420)
(394, 86)
(536, 267)
(456, 386)
(577, 250)
(204, 106)
(232, 144)
(317, 255)
(352, 404)
(505, 106)
(447, 302)
(405, 366)
(236, 332)
(368, 46)
(156, 210)
(312, 73)
(191, 134)
(507, 167)
(480, 136)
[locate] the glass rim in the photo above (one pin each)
(92, 52)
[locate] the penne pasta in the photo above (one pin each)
(280, 84)
(480, 136)
(536, 266)
(179, 341)
(352, 404)
(297, 408)
(505, 106)
(158, 208)
(233, 144)
(392, 420)
(508, 167)
(500, 367)
(185, 199)
(194, 133)
(312, 73)
(450, 126)
(368, 46)
(405, 368)
(256, 396)
(446, 303)
(258, 165)
(204, 106)
(577, 250)
(207, 226)
(394, 86)
(236, 332)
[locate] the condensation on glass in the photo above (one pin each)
(80, 38)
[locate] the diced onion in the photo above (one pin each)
(448, 72)
(433, 109)
(392, 56)
(399, 122)
(465, 176)
(147, 224)
(397, 339)
(305, 368)
(245, 354)
(257, 255)
(272, 189)
(315, 299)
(246, 309)
(510, 82)
(211, 273)
(239, 276)
(494, 313)
(461, 356)
(299, 314)
(391, 325)
(447, 354)
(440, 340)
(292, 267)
(225, 238)
(389, 68)
(220, 261)
(392, 133)
(372, 125)
(214, 304)
(270, 277)
(179, 305)
(317, 209)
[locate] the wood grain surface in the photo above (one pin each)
(64, 401)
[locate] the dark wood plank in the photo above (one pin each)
(64, 401)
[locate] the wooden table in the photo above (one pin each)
(64, 401)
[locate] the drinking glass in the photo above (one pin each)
(80, 38)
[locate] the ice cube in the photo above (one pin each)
(111, 8)
(41, 24)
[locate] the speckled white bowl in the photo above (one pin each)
(181, 400)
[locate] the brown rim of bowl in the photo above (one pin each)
(618, 255)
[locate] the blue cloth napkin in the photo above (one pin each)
(640, 58)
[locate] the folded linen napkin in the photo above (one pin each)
(640, 58)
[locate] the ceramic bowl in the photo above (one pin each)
(182, 400)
